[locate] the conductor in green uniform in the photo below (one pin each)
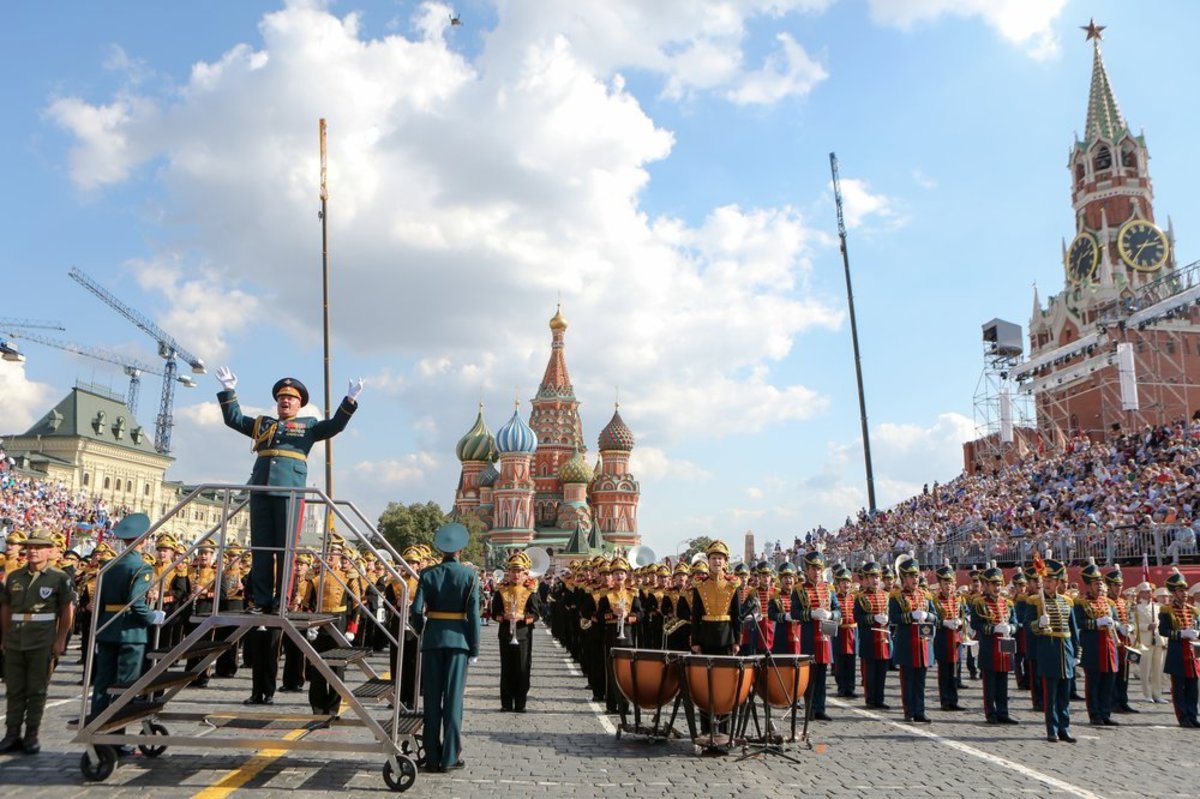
(445, 612)
(37, 604)
(124, 614)
(281, 445)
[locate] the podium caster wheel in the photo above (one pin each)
(103, 769)
(403, 780)
(154, 751)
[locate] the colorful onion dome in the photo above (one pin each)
(575, 470)
(516, 436)
(488, 477)
(478, 444)
(616, 435)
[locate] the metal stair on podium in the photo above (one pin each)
(146, 701)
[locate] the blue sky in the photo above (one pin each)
(664, 167)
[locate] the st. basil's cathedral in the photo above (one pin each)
(530, 483)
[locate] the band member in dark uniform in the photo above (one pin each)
(815, 603)
(910, 611)
(619, 610)
(676, 613)
(993, 619)
(517, 605)
(1177, 623)
(787, 629)
(948, 637)
(874, 638)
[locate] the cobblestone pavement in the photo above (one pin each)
(565, 747)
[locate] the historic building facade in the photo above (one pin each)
(543, 491)
(1119, 346)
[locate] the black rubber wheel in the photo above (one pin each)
(154, 751)
(102, 770)
(404, 780)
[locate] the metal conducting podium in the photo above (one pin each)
(372, 717)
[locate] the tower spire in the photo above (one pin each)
(1104, 120)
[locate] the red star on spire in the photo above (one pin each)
(1093, 30)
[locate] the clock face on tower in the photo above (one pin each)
(1142, 245)
(1082, 258)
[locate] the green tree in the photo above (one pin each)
(405, 525)
(698, 544)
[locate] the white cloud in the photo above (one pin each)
(652, 463)
(923, 180)
(23, 400)
(1026, 23)
(755, 493)
(412, 468)
(789, 71)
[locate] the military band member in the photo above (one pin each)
(787, 629)
(327, 595)
(677, 614)
(875, 639)
(1054, 644)
(1094, 617)
(813, 604)
(1114, 582)
(993, 620)
(909, 611)
(1027, 615)
(1151, 646)
(202, 582)
(1020, 659)
(446, 614)
(517, 606)
(845, 645)
(975, 575)
(1177, 624)
(281, 446)
(36, 613)
(948, 637)
(398, 626)
(716, 612)
(758, 633)
(618, 610)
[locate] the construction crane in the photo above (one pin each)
(131, 366)
(168, 349)
(8, 350)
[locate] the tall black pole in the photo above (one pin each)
(325, 316)
(862, 398)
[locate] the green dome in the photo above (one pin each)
(575, 470)
(478, 444)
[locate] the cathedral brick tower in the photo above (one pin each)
(512, 493)
(555, 420)
(476, 451)
(615, 492)
(1113, 350)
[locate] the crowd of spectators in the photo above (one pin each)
(28, 503)
(1114, 500)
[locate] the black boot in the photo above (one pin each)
(31, 745)
(11, 740)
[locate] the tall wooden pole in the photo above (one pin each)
(325, 315)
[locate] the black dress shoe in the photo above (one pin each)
(30, 745)
(518, 710)
(883, 706)
(991, 720)
(953, 707)
(1066, 736)
(1077, 698)
(1007, 720)
(1127, 709)
(505, 709)
(12, 741)
(268, 700)
(254, 700)
(288, 689)
(460, 764)
(1051, 738)
(922, 718)
(821, 717)
(1111, 723)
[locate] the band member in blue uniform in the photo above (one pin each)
(845, 645)
(912, 615)
(815, 603)
(948, 637)
(1054, 640)
(874, 638)
(993, 620)
(1094, 618)
(1177, 623)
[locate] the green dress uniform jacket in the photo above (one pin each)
(445, 612)
(35, 599)
(121, 646)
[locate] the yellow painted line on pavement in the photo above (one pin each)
(248, 771)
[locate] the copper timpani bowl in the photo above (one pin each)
(646, 677)
(719, 684)
(781, 680)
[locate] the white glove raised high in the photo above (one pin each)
(919, 615)
(226, 378)
(881, 618)
(1043, 621)
(356, 387)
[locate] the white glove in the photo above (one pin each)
(1003, 628)
(158, 617)
(356, 387)
(881, 618)
(919, 615)
(226, 378)
(1104, 621)
(951, 624)
(472, 661)
(787, 617)
(350, 637)
(1123, 629)
(1189, 634)
(820, 614)
(311, 634)
(1043, 621)
(757, 616)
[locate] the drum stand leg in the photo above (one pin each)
(808, 711)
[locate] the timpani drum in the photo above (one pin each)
(781, 680)
(719, 684)
(646, 677)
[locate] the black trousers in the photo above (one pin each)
(843, 673)
(407, 668)
(947, 684)
(516, 661)
(293, 666)
(263, 646)
(1098, 691)
(227, 663)
(874, 679)
(270, 523)
(322, 698)
(995, 694)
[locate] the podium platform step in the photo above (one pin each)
(197, 650)
(162, 682)
(344, 656)
(410, 724)
(134, 711)
(375, 688)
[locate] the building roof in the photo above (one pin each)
(92, 413)
(1104, 120)
(478, 444)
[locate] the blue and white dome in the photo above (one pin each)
(516, 436)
